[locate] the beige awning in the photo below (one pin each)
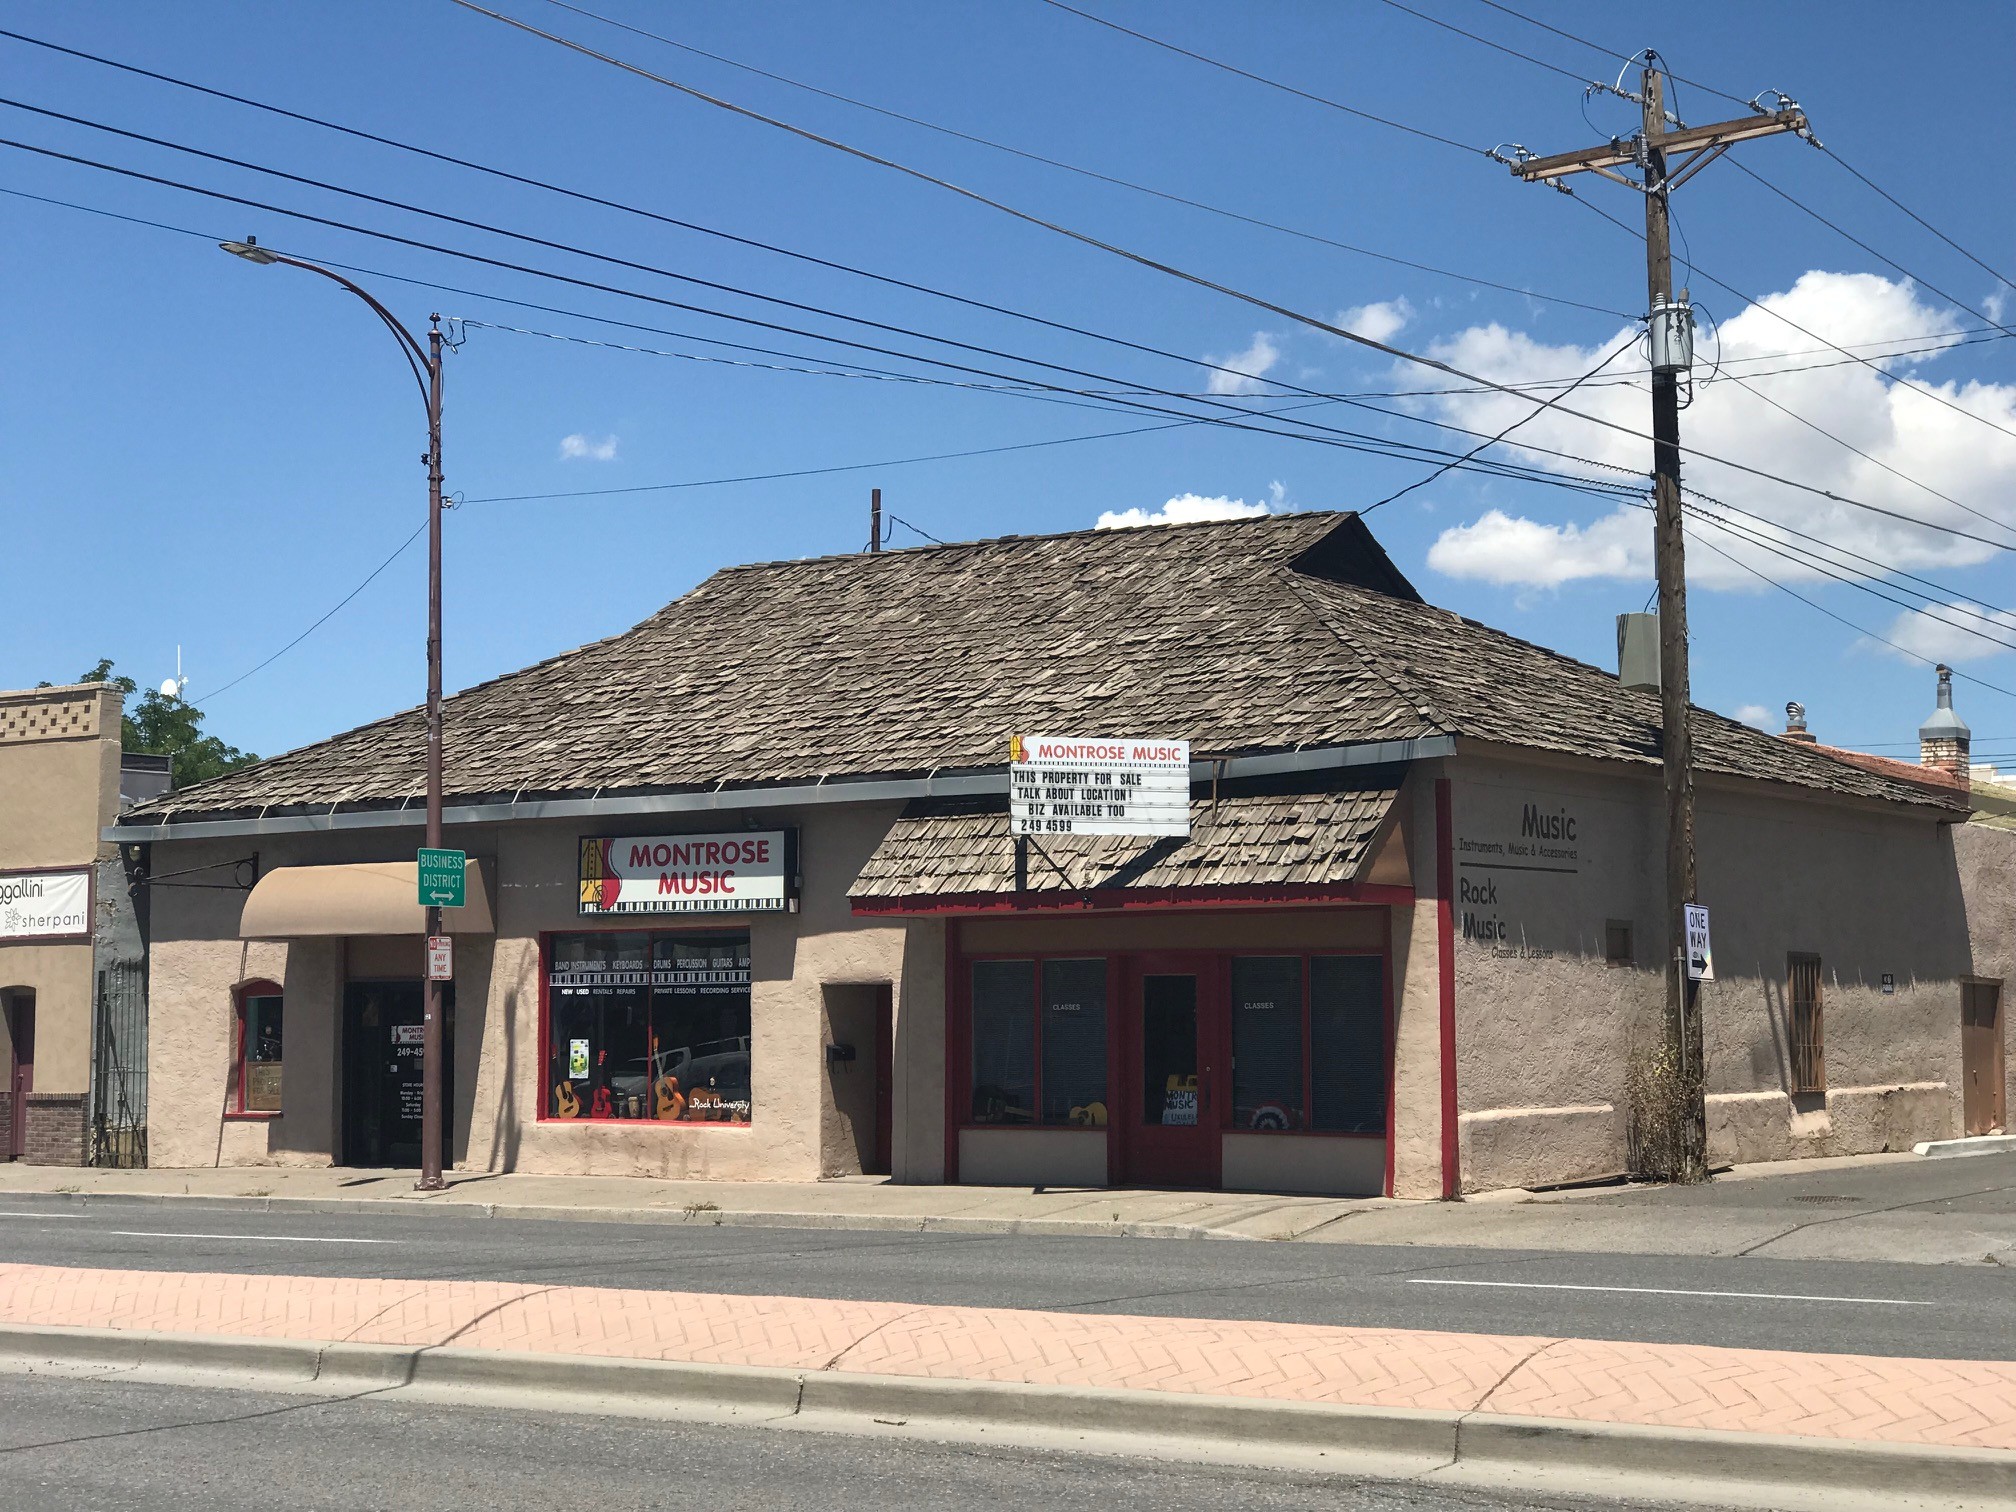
(357, 898)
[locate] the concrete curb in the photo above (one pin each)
(1974, 1144)
(1470, 1448)
(899, 1223)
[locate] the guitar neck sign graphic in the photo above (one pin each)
(743, 871)
(1083, 785)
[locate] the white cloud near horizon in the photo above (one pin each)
(1756, 715)
(1247, 367)
(1380, 321)
(1184, 509)
(581, 448)
(1911, 433)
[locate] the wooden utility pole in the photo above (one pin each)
(1654, 152)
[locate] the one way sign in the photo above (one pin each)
(1700, 958)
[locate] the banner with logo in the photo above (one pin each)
(45, 905)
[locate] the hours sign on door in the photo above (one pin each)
(1079, 785)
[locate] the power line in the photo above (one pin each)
(368, 578)
(1090, 173)
(1752, 104)
(1151, 263)
(1352, 110)
(1534, 414)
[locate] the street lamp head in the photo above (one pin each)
(250, 250)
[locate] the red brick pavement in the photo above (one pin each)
(1942, 1402)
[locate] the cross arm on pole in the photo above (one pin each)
(1622, 151)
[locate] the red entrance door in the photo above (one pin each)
(19, 1013)
(1172, 1018)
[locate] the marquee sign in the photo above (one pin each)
(1074, 785)
(45, 905)
(744, 871)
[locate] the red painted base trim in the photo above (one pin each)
(1126, 899)
(1445, 953)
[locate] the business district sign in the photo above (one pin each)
(744, 871)
(45, 905)
(1080, 785)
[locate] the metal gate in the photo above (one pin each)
(119, 1067)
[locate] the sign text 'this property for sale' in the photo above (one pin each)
(1080, 785)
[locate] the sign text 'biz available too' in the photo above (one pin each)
(1080, 785)
(743, 871)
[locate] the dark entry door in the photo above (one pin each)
(20, 1028)
(1983, 1098)
(1172, 1013)
(382, 1068)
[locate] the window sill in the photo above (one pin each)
(252, 1117)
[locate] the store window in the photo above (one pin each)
(259, 1048)
(1039, 1043)
(1309, 1044)
(649, 1026)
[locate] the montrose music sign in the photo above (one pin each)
(1080, 785)
(743, 871)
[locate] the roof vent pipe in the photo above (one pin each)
(1944, 741)
(1795, 725)
(1638, 652)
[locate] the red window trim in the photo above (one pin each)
(959, 1041)
(586, 1120)
(235, 1110)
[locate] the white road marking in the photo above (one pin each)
(59, 1217)
(254, 1238)
(1673, 1291)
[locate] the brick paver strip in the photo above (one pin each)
(1942, 1402)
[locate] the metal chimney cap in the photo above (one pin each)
(1945, 724)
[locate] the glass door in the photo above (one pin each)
(1173, 1138)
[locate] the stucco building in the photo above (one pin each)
(72, 983)
(1409, 944)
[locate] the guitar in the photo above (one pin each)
(669, 1105)
(565, 1103)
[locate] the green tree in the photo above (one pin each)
(164, 726)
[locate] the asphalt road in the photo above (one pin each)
(1954, 1312)
(145, 1448)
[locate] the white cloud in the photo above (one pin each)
(1756, 714)
(580, 448)
(1184, 509)
(1952, 633)
(1278, 491)
(1996, 304)
(1899, 428)
(1529, 554)
(1377, 322)
(1247, 367)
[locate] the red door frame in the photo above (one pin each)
(20, 1070)
(1148, 1155)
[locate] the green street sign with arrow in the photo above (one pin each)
(443, 876)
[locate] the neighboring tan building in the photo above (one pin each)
(69, 939)
(1409, 945)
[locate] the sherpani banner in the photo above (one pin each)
(744, 871)
(45, 905)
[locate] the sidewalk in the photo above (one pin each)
(1884, 1208)
(1942, 1428)
(852, 1203)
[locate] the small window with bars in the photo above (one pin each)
(1808, 1042)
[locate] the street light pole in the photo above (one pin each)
(426, 365)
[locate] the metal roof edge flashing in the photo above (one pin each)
(721, 798)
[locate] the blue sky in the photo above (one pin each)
(203, 453)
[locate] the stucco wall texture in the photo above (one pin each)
(798, 1130)
(59, 785)
(1548, 856)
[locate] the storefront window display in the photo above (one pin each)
(1309, 1044)
(648, 1026)
(1039, 1042)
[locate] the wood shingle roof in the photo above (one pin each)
(1271, 633)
